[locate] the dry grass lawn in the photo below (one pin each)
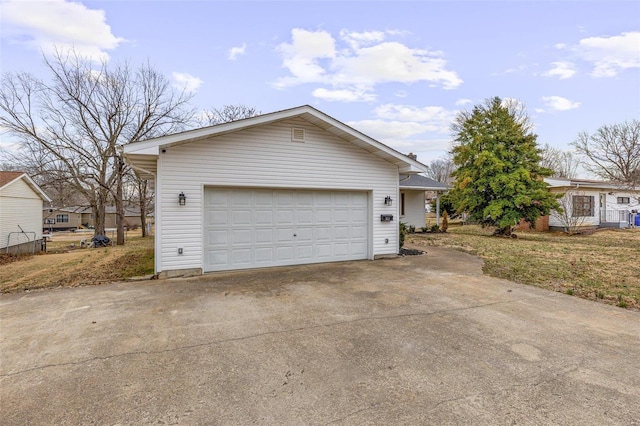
(65, 265)
(603, 266)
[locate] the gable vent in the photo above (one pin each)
(297, 134)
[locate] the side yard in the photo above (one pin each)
(67, 265)
(603, 266)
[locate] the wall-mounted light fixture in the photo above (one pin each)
(388, 201)
(182, 199)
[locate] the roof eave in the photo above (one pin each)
(152, 147)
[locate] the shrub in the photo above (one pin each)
(445, 221)
(403, 233)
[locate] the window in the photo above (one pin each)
(62, 218)
(402, 204)
(49, 221)
(623, 200)
(582, 205)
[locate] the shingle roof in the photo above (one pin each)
(6, 177)
(421, 182)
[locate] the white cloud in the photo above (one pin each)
(355, 39)
(344, 95)
(234, 52)
(301, 56)
(431, 118)
(186, 81)
(558, 103)
(358, 62)
(561, 69)
(463, 101)
(385, 130)
(47, 25)
(608, 55)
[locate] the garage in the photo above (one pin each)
(252, 228)
(286, 188)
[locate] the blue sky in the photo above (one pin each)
(397, 71)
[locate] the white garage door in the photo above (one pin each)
(251, 228)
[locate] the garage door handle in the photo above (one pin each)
(295, 235)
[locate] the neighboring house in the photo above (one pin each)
(412, 198)
(62, 219)
(75, 217)
(21, 203)
(593, 204)
(286, 188)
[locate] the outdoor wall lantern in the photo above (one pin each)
(388, 201)
(182, 199)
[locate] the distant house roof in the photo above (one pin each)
(7, 178)
(421, 183)
(585, 183)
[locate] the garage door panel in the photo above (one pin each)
(264, 236)
(358, 232)
(304, 252)
(323, 251)
(264, 254)
(284, 198)
(241, 236)
(341, 249)
(218, 237)
(263, 217)
(240, 199)
(284, 235)
(358, 248)
(323, 233)
(304, 216)
(341, 233)
(217, 217)
(284, 217)
(241, 257)
(263, 199)
(340, 216)
(241, 217)
(247, 228)
(218, 198)
(285, 253)
(304, 235)
(218, 257)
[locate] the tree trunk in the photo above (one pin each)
(99, 216)
(142, 196)
(119, 165)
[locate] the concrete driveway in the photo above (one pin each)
(416, 340)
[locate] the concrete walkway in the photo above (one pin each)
(415, 340)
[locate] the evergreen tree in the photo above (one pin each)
(498, 179)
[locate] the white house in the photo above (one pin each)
(286, 188)
(593, 204)
(21, 202)
(412, 198)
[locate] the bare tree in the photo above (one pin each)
(226, 114)
(613, 152)
(78, 120)
(564, 164)
(441, 170)
(566, 214)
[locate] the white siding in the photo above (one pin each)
(19, 205)
(587, 220)
(414, 213)
(265, 157)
